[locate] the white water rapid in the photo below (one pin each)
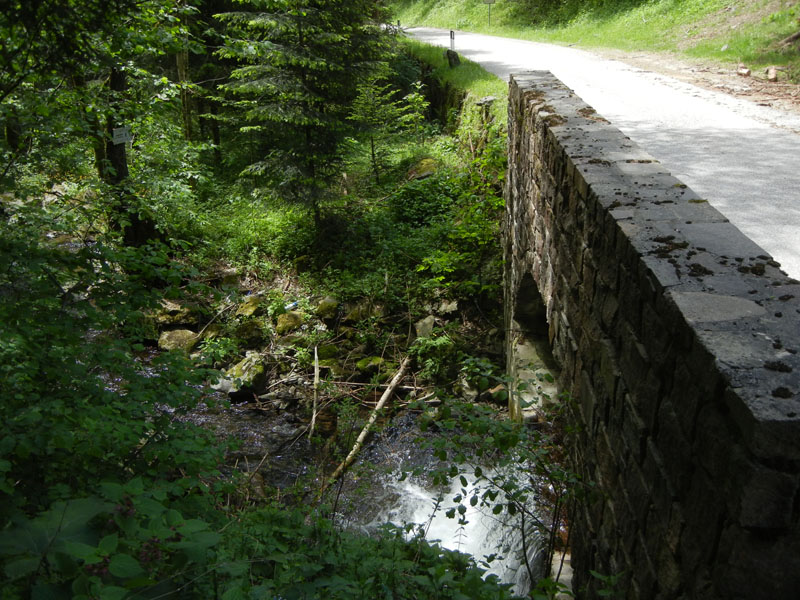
(481, 535)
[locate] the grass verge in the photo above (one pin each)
(723, 31)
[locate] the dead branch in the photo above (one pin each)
(370, 422)
(792, 38)
(316, 393)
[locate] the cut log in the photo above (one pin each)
(772, 74)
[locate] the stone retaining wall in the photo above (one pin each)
(677, 337)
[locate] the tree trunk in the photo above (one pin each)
(13, 131)
(182, 60)
(136, 231)
(374, 159)
(215, 135)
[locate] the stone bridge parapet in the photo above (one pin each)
(677, 337)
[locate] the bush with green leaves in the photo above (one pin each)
(421, 201)
(283, 553)
(514, 470)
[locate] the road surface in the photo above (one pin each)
(742, 157)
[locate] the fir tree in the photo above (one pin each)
(300, 64)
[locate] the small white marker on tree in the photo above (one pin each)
(121, 135)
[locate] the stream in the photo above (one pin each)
(273, 446)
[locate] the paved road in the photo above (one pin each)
(744, 158)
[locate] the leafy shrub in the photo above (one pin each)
(251, 228)
(420, 201)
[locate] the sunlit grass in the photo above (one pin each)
(725, 31)
(468, 76)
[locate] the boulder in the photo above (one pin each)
(251, 332)
(452, 58)
(327, 351)
(178, 339)
(248, 374)
(250, 306)
(229, 277)
(370, 365)
(172, 313)
(327, 308)
(447, 307)
(424, 168)
(334, 366)
(289, 322)
(424, 327)
(362, 311)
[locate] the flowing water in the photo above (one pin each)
(495, 541)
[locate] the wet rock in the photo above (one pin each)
(178, 339)
(327, 308)
(250, 306)
(252, 332)
(247, 375)
(424, 327)
(281, 399)
(289, 321)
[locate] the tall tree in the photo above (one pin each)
(66, 73)
(301, 61)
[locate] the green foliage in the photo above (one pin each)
(297, 76)
(415, 115)
(435, 356)
(248, 230)
(283, 553)
(218, 350)
(105, 490)
(376, 110)
(721, 30)
(513, 470)
(421, 201)
(608, 584)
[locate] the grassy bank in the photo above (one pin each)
(724, 31)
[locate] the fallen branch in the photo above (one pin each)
(370, 422)
(792, 38)
(215, 317)
(316, 393)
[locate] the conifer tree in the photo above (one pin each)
(300, 64)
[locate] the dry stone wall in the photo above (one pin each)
(677, 337)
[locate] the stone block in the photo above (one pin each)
(704, 519)
(768, 500)
(674, 448)
(637, 492)
(687, 375)
(753, 565)
(633, 430)
(769, 425)
(605, 457)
